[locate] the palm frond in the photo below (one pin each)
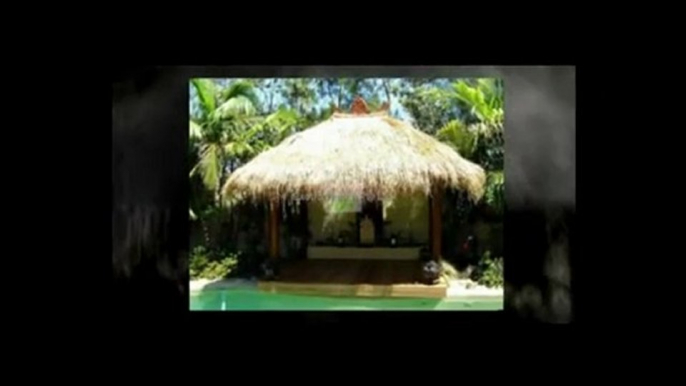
(494, 193)
(209, 165)
(283, 117)
(238, 149)
(195, 131)
(484, 99)
(235, 107)
(241, 88)
(206, 93)
(493, 91)
(458, 135)
(465, 93)
(283, 121)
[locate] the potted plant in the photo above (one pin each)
(431, 272)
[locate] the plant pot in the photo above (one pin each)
(431, 272)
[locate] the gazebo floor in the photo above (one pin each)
(351, 278)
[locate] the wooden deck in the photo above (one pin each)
(351, 278)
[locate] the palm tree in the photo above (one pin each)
(217, 132)
(225, 131)
(229, 131)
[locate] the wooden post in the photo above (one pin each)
(267, 223)
(436, 228)
(305, 223)
(273, 229)
(431, 225)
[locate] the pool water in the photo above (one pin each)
(251, 300)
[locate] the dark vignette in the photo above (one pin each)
(150, 191)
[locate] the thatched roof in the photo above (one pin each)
(368, 155)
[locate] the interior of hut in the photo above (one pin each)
(349, 222)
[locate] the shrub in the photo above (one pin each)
(491, 274)
(218, 269)
(198, 261)
(448, 271)
(206, 264)
(494, 194)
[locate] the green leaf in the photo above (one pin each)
(283, 117)
(242, 88)
(230, 149)
(484, 99)
(492, 89)
(195, 130)
(209, 166)
(459, 137)
(235, 107)
(341, 205)
(463, 92)
(495, 190)
(206, 93)
(248, 150)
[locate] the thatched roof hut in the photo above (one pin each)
(362, 154)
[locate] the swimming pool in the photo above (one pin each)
(254, 300)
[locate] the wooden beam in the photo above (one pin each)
(436, 228)
(273, 229)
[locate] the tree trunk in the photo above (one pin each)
(222, 173)
(356, 87)
(271, 97)
(387, 89)
(340, 94)
(206, 232)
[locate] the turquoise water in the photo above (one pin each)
(251, 300)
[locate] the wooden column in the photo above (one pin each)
(273, 229)
(431, 225)
(436, 224)
(305, 223)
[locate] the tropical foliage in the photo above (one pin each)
(204, 264)
(490, 271)
(478, 133)
(233, 120)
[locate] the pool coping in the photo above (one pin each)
(456, 288)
